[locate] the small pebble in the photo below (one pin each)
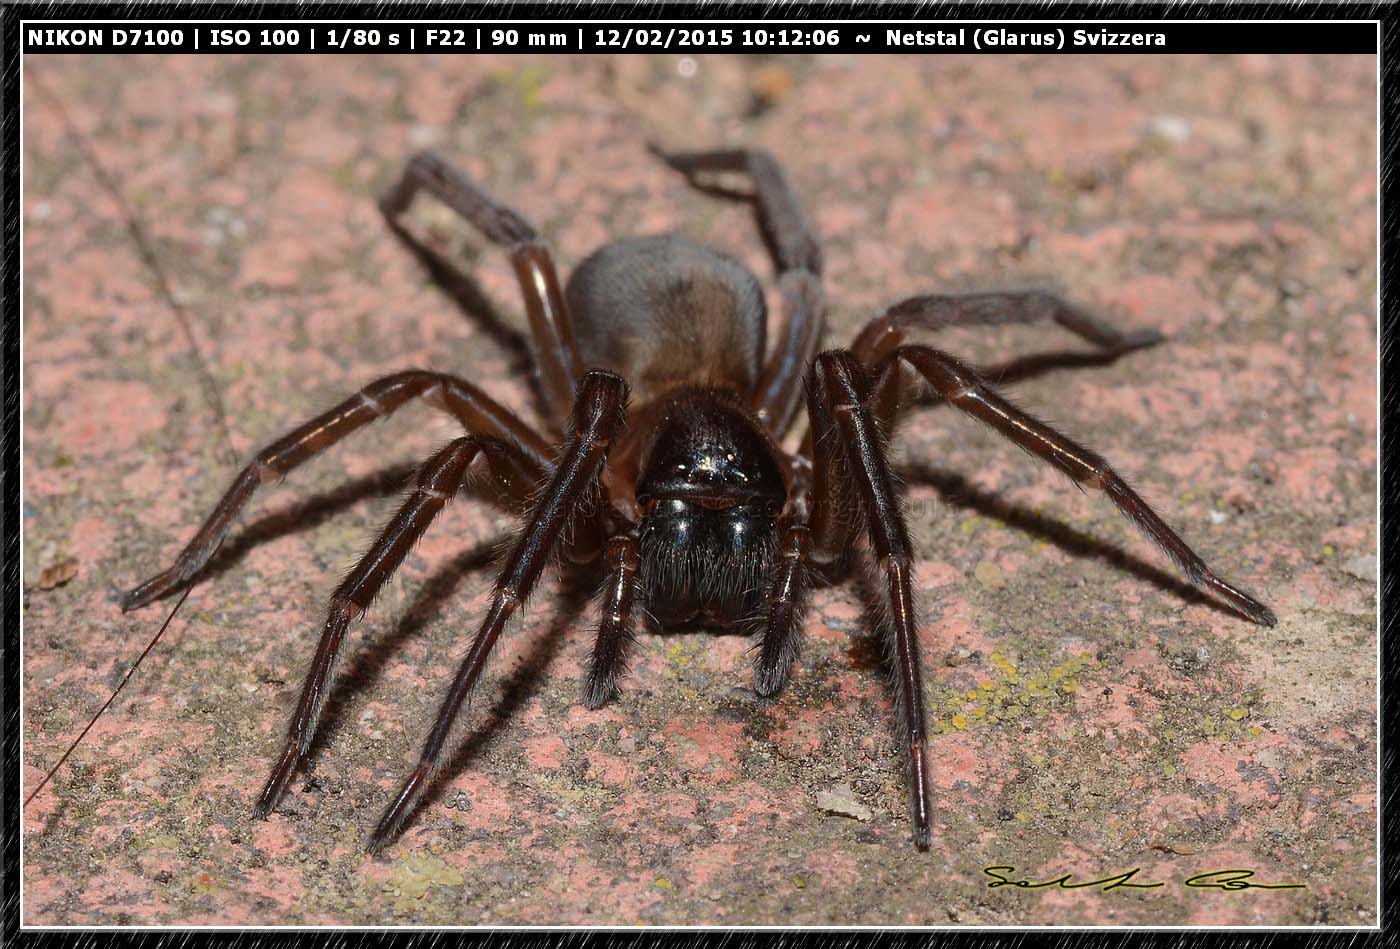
(57, 574)
(841, 799)
(989, 575)
(1362, 568)
(1173, 128)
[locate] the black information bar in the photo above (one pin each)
(772, 36)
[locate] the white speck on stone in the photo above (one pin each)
(1218, 517)
(421, 136)
(1173, 128)
(1362, 568)
(186, 296)
(842, 800)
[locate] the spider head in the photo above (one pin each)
(710, 492)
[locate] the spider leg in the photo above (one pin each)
(799, 258)
(477, 412)
(961, 386)
(616, 629)
(598, 418)
(438, 481)
(884, 334)
(551, 327)
(782, 630)
(839, 391)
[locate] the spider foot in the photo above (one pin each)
(1261, 614)
(1251, 608)
(923, 838)
(599, 691)
(768, 680)
(277, 782)
(161, 585)
(396, 812)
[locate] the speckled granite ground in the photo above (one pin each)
(1092, 717)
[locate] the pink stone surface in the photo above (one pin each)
(1089, 715)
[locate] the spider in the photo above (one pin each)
(663, 461)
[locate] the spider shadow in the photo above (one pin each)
(302, 515)
(517, 688)
(955, 490)
(55, 820)
(1020, 368)
(464, 290)
(363, 671)
(1031, 366)
(873, 649)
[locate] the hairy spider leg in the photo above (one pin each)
(478, 413)
(967, 391)
(598, 418)
(439, 479)
(787, 598)
(839, 391)
(798, 255)
(615, 630)
(551, 327)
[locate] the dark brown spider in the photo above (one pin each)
(703, 518)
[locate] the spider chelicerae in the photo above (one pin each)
(663, 460)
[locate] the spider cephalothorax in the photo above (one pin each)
(710, 492)
(662, 459)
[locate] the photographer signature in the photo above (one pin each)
(1213, 880)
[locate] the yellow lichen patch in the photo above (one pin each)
(412, 878)
(1239, 714)
(664, 884)
(1015, 694)
(1007, 669)
(800, 882)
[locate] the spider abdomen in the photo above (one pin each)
(664, 311)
